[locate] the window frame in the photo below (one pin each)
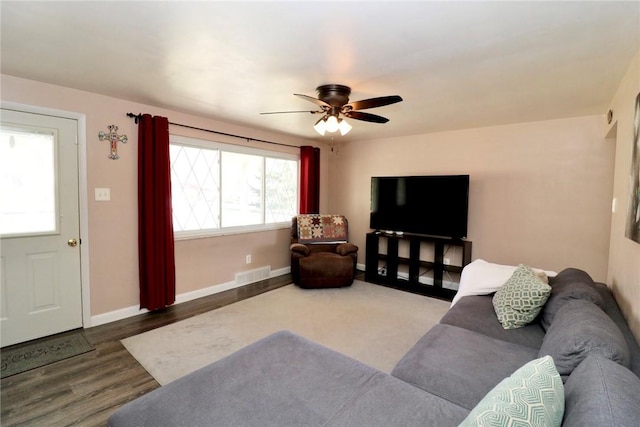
(240, 149)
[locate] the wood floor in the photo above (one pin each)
(84, 390)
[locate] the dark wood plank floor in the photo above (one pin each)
(84, 390)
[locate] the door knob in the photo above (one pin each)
(72, 242)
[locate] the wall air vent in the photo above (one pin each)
(255, 275)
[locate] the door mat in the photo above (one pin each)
(24, 357)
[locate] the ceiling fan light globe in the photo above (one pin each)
(332, 124)
(344, 127)
(320, 126)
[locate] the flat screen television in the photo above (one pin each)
(434, 205)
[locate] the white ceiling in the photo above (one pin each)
(456, 64)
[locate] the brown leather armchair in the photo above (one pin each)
(321, 256)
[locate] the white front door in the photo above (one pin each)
(39, 227)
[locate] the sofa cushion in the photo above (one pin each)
(579, 330)
(533, 396)
(476, 313)
(569, 284)
(611, 308)
(600, 392)
(386, 401)
(520, 300)
(459, 365)
(286, 380)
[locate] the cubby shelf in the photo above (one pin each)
(389, 274)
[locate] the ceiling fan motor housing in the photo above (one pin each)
(333, 94)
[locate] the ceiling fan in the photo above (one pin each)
(333, 100)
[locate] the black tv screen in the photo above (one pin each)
(435, 205)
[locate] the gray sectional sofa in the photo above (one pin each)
(287, 380)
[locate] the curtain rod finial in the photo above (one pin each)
(135, 117)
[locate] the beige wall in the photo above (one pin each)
(624, 254)
(540, 193)
(112, 237)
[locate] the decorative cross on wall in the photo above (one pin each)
(113, 138)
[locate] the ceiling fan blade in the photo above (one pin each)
(314, 100)
(365, 116)
(287, 112)
(374, 102)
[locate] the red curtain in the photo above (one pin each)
(155, 224)
(309, 180)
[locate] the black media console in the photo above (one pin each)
(420, 264)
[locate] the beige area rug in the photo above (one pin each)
(373, 324)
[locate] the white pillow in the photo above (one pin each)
(483, 278)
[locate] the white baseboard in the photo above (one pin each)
(123, 313)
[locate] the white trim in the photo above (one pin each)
(228, 231)
(82, 191)
(223, 146)
(124, 313)
(120, 314)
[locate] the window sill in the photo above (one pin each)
(205, 234)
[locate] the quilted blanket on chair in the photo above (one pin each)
(319, 228)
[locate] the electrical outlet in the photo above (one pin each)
(248, 258)
(103, 194)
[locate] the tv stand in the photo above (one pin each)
(416, 263)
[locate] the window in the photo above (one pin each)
(28, 164)
(218, 188)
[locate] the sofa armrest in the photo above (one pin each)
(300, 249)
(346, 249)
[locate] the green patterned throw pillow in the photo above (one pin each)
(532, 396)
(519, 301)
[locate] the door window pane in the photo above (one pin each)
(27, 181)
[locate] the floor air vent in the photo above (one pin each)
(254, 275)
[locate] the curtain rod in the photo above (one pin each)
(248, 139)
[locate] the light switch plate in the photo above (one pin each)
(103, 194)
